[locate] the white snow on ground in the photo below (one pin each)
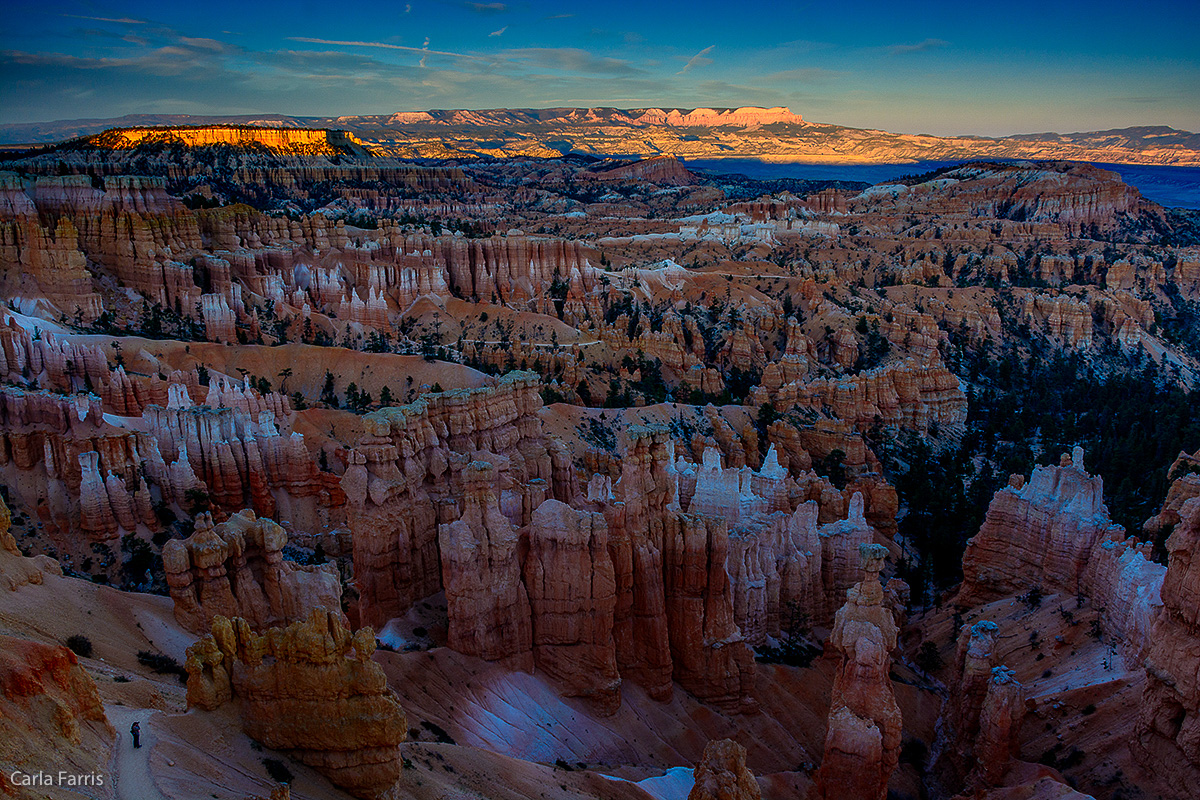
(637, 237)
(30, 323)
(885, 190)
(675, 784)
(390, 636)
(715, 218)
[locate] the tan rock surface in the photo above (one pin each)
(309, 689)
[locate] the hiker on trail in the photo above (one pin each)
(136, 731)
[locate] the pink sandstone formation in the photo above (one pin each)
(481, 572)
(1054, 532)
(722, 774)
(981, 719)
(863, 742)
(998, 743)
(51, 719)
(404, 475)
(237, 569)
(309, 689)
(1168, 725)
(1184, 475)
(572, 593)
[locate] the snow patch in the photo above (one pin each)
(674, 784)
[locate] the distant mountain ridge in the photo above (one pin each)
(768, 134)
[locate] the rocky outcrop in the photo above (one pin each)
(486, 600)
(406, 473)
(572, 594)
(722, 774)
(1055, 533)
(237, 569)
(1184, 475)
(981, 718)
(998, 743)
(1168, 725)
(710, 657)
(862, 746)
(1037, 533)
(240, 457)
(903, 393)
(310, 690)
(51, 718)
(661, 171)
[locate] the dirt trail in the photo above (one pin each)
(131, 767)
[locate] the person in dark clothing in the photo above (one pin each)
(136, 732)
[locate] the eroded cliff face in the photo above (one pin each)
(404, 476)
(1038, 532)
(862, 747)
(572, 587)
(1054, 533)
(237, 569)
(309, 689)
(981, 718)
(51, 718)
(487, 601)
(722, 774)
(1168, 726)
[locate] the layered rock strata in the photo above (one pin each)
(722, 774)
(310, 690)
(862, 746)
(1054, 533)
(237, 569)
(1168, 725)
(405, 474)
(572, 589)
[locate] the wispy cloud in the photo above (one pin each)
(571, 59)
(919, 47)
(803, 75)
(499, 32)
(385, 46)
(698, 60)
(121, 20)
(488, 8)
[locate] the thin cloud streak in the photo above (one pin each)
(919, 47)
(698, 60)
(384, 46)
(122, 20)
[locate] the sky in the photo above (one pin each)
(944, 68)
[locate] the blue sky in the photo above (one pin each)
(936, 67)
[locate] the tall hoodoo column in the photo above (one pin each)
(862, 745)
